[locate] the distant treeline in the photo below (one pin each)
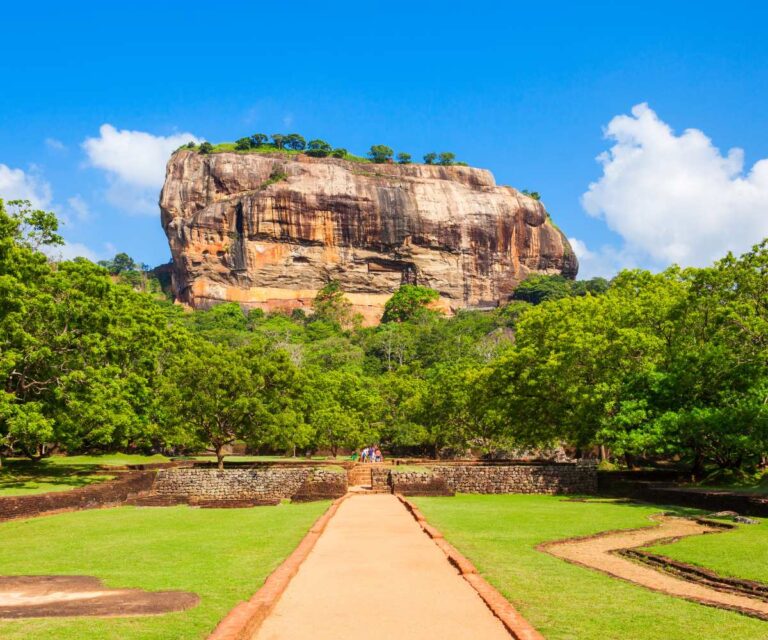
(670, 366)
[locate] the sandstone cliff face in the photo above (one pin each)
(268, 231)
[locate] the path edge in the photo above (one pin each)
(518, 627)
(245, 619)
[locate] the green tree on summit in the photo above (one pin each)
(380, 153)
(295, 142)
(447, 158)
(430, 158)
(259, 139)
(318, 148)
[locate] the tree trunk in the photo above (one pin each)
(603, 454)
(219, 458)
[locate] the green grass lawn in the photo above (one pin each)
(740, 553)
(223, 555)
(566, 602)
(20, 476)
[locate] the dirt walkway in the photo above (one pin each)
(374, 574)
(597, 553)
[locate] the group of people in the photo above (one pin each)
(369, 454)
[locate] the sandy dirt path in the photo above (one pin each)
(374, 574)
(597, 553)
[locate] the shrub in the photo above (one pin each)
(403, 158)
(380, 153)
(318, 148)
(339, 153)
(243, 144)
(259, 139)
(447, 158)
(206, 147)
(295, 141)
(429, 158)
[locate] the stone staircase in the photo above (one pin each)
(360, 476)
(360, 479)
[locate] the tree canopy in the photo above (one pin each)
(648, 366)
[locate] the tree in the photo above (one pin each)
(430, 158)
(213, 396)
(408, 302)
(28, 227)
(538, 288)
(531, 194)
(318, 148)
(205, 148)
(380, 154)
(191, 144)
(447, 158)
(278, 140)
(259, 139)
(339, 153)
(343, 409)
(295, 141)
(243, 144)
(121, 263)
(403, 158)
(331, 304)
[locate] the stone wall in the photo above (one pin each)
(103, 494)
(380, 478)
(265, 484)
(418, 483)
(572, 478)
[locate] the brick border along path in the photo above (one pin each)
(374, 574)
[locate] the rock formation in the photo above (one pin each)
(269, 230)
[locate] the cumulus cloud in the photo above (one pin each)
(674, 198)
(135, 164)
(80, 207)
(605, 261)
(16, 184)
(70, 251)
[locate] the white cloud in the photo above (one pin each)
(135, 164)
(674, 198)
(70, 251)
(605, 261)
(80, 207)
(16, 184)
(55, 145)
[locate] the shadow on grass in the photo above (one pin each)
(26, 476)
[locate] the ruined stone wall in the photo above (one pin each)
(419, 483)
(251, 484)
(520, 478)
(380, 478)
(103, 494)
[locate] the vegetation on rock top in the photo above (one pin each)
(293, 144)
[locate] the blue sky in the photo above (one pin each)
(527, 90)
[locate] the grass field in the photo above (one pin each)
(741, 553)
(566, 602)
(20, 476)
(223, 555)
